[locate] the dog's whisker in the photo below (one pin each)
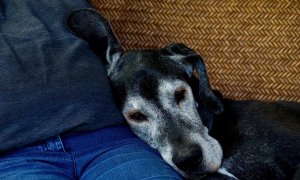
(225, 172)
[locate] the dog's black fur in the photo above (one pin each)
(259, 140)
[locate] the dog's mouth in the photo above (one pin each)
(198, 172)
(195, 176)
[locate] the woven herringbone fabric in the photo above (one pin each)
(251, 48)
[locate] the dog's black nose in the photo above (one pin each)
(189, 158)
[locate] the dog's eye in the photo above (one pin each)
(137, 116)
(180, 95)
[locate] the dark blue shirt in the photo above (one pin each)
(50, 80)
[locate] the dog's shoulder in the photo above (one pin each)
(259, 137)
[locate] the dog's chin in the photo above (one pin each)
(196, 174)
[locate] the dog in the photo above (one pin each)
(259, 140)
(166, 99)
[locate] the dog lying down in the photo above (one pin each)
(166, 99)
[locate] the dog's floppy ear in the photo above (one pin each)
(89, 25)
(195, 68)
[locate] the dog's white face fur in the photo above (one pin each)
(182, 123)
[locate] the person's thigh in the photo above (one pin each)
(134, 160)
(36, 166)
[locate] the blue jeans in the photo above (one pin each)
(110, 153)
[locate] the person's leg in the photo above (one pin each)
(132, 160)
(44, 161)
(116, 153)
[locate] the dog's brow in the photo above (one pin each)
(168, 86)
(133, 102)
(166, 90)
(137, 102)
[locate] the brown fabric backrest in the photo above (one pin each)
(251, 48)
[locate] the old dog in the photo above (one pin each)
(165, 96)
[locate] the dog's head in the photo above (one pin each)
(158, 92)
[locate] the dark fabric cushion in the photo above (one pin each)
(50, 80)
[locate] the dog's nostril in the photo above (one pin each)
(188, 160)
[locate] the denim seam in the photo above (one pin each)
(74, 165)
(62, 144)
